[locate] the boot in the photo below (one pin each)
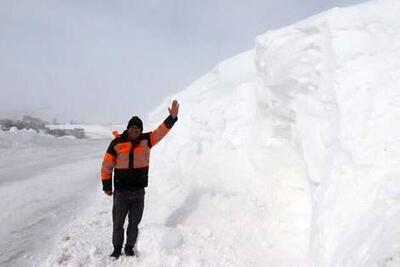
(116, 253)
(129, 251)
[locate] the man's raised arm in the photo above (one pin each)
(163, 129)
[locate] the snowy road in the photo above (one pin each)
(41, 188)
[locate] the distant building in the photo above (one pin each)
(56, 132)
(62, 130)
(29, 122)
(6, 124)
(34, 123)
(77, 132)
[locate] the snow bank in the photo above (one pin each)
(331, 82)
(217, 182)
(325, 88)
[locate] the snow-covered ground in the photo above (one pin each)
(285, 155)
(44, 182)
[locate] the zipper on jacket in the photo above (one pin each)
(131, 156)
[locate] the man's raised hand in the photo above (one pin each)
(173, 111)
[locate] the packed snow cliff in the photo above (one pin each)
(332, 82)
(326, 87)
(285, 155)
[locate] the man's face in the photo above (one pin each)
(134, 132)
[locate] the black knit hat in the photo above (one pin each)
(135, 121)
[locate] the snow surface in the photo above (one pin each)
(44, 181)
(335, 91)
(285, 155)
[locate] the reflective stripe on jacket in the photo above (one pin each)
(130, 158)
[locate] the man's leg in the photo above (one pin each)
(136, 207)
(119, 212)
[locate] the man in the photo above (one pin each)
(128, 155)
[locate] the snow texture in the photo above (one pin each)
(334, 92)
(285, 155)
(44, 181)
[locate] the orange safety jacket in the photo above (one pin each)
(130, 158)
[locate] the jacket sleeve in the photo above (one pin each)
(107, 167)
(162, 130)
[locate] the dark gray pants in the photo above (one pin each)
(129, 203)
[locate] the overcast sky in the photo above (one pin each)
(107, 60)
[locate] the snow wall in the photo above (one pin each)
(288, 154)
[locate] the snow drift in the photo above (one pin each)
(285, 155)
(326, 87)
(332, 82)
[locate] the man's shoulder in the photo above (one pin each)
(145, 135)
(118, 140)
